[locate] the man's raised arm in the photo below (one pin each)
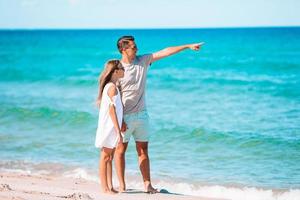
(173, 50)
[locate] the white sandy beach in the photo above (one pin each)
(15, 186)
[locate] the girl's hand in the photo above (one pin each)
(124, 127)
(120, 139)
(97, 103)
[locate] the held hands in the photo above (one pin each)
(196, 46)
(124, 127)
(120, 138)
(121, 132)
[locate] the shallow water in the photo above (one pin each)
(227, 115)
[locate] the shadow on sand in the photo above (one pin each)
(161, 191)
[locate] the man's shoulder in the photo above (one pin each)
(143, 59)
(143, 56)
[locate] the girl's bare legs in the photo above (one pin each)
(120, 165)
(105, 170)
(109, 173)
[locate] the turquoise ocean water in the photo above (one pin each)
(225, 121)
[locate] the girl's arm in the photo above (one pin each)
(124, 125)
(112, 91)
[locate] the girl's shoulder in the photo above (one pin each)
(109, 85)
(112, 89)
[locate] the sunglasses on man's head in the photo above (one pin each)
(132, 47)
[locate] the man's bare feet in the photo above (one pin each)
(150, 189)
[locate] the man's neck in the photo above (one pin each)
(127, 60)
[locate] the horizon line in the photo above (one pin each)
(146, 28)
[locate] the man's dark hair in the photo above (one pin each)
(123, 42)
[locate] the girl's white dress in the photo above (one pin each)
(106, 135)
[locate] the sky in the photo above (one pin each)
(118, 14)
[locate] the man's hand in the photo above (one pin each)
(124, 127)
(196, 47)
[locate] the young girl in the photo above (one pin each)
(110, 120)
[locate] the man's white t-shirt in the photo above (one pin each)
(133, 84)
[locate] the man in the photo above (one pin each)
(133, 97)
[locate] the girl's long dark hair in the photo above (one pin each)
(105, 76)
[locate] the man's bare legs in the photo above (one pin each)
(144, 163)
(120, 164)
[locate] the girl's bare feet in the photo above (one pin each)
(122, 190)
(109, 191)
(113, 191)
